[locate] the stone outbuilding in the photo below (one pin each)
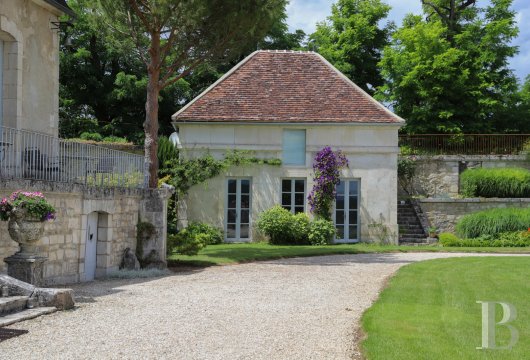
(289, 105)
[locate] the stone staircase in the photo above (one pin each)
(18, 308)
(410, 229)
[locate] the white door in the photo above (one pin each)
(91, 246)
(347, 211)
(1, 82)
(238, 210)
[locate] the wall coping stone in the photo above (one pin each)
(467, 157)
(67, 188)
(475, 200)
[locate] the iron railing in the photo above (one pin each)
(466, 144)
(31, 155)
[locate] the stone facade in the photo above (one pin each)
(445, 213)
(439, 176)
(64, 240)
(370, 149)
(30, 96)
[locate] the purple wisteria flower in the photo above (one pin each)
(326, 165)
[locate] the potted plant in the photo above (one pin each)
(26, 213)
(433, 231)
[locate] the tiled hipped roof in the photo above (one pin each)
(285, 86)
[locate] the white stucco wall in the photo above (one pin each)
(30, 66)
(371, 150)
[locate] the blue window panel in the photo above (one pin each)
(294, 147)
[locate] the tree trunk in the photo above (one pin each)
(151, 111)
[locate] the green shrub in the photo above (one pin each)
(91, 136)
(114, 139)
(167, 152)
(321, 231)
(212, 235)
(185, 244)
(506, 239)
(299, 228)
(276, 224)
(496, 182)
(448, 239)
(492, 222)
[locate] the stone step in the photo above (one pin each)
(413, 243)
(415, 236)
(12, 304)
(25, 315)
(411, 226)
(413, 231)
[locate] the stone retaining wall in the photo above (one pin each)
(439, 176)
(64, 240)
(445, 213)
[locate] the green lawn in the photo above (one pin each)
(429, 310)
(224, 254)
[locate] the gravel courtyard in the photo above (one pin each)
(302, 308)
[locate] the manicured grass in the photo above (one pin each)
(224, 254)
(429, 310)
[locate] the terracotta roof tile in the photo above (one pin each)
(285, 86)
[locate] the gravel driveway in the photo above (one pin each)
(302, 308)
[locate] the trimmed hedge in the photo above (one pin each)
(507, 239)
(493, 221)
(496, 182)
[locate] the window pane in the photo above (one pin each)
(293, 147)
(353, 232)
(353, 187)
(340, 202)
(340, 232)
(353, 203)
(231, 231)
(299, 186)
(232, 201)
(286, 200)
(231, 218)
(340, 188)
(353, 217)
(286, 186)
(244, 216)
(299, 199)
(339, 217)
(232, 186)
(243, 231)
(245, 201)
(298, 209)
(287, 207)
(245, 186)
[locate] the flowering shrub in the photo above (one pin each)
(33, 202)
(327, 166)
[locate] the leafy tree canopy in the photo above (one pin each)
(352, 39)
(452, 81)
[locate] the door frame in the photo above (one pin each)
(238, 210)
(346, 191)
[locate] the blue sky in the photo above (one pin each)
(304, 14)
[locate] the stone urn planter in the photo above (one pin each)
(25, 230)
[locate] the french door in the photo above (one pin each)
(238, 210)
(347, 211)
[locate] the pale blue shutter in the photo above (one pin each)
(293, 147)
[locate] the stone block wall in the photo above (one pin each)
(439, 176)
(64, 240)
(445, 213)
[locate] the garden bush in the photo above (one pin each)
(192, 239)
(276, 223)
(496, 182)
(321, 231)
(506, 239)
(299, 228)
(91, 136)
(492, 222)
(115, 139)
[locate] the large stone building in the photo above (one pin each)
(289, 105)
(99, 193)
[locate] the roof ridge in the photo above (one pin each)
(286, 51)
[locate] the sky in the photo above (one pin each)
(304, 14)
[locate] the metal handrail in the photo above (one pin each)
(31, 155)
(466, 144)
